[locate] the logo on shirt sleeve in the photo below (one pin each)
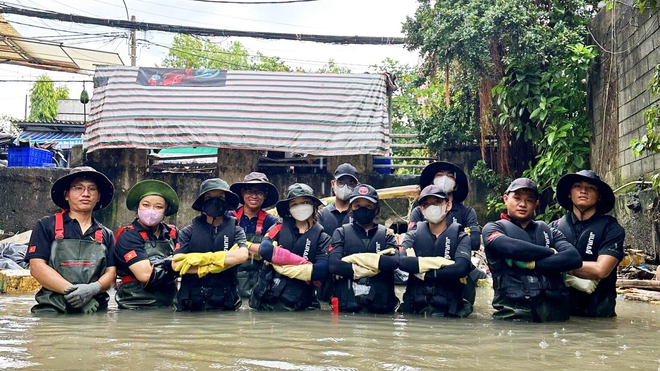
(32, 249)
(130, 255)
(493, 236)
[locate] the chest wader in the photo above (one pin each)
(215, 291)
(373, 294)
(528, 294)
(275, 291)
(431, 297)
(601, 302)
(77, 261)
(248, 272)
(131, 294)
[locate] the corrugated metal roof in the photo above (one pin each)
(322, 114)
(64, 140)
(21, 51)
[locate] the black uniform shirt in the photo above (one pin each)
(43, 235)
(130, 244)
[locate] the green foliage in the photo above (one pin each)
(43, 99)
(644, 5)
(549, 108)
(650, 142)
(332, 67)
(7, 124)
(494, 182)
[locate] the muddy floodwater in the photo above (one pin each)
(247, 340)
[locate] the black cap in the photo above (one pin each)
(433, 191)
(346, 169)
(364, 191)
(522, 183)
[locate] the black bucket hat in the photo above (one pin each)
(231, 198)
(296, 190)
(605, 203)
(462, 187)
(432, 191)
(255, 178)
(152, 187)
(61, 185)
(364, 191)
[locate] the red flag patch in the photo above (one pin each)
(329, 248)
(130, 255)
(32, 249)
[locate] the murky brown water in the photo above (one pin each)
(245, 340)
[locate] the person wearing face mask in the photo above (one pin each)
(454, 182)
(70, 253)
(437, 257)
(144, 248)
(296, 254)
(209, 251)
(257, 193)
(337, 213)
(597, 237)
(527, 259)
(363, 258)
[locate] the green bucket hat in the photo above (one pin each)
(151, 187)
(231, 198)
(296, 190)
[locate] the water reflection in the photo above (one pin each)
(245, 340)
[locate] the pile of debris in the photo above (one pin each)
(636, 281)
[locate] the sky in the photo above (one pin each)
(327, 17)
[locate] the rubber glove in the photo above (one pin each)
(183, 267)
(80, 294)
(368, 259)
(509, 262)
(582, 284)
(426, 263)
(217, 264)
(525, 265)
(199, 258)
(91, 307)
(301, 272)
(282, 256)
(161, 274)
(410, 252)
(361, 272)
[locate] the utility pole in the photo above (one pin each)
(133, 44)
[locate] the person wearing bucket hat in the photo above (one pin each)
(143, 249)
(597, 237)
(437, 258)
(296, 254)
(336, 213)
(454, 182)
(70, 253)
(363, 258)
(256, 194)
(527, 259)
(209, 251)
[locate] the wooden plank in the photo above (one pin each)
(646, 284)
(408, 145)
(404, 136)
(405, 158)
(399, 166)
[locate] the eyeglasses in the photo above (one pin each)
(81, 189)
(350, 183)
(254, 192)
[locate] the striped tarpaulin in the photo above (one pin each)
(320, 114)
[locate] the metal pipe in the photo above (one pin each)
(631, 183)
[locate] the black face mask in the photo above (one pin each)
(214, 207)
(364, 216)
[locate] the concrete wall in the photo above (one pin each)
(629, 49)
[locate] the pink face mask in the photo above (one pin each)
(150, 217)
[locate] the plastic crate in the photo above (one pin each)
(28, 157)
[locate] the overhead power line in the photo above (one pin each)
(254, 2)
(147, 26)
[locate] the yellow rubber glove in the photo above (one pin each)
(390, 251)
(217, 263)
(582, 284)
(426, 263)
(361, 272)
(301, 272)
(183, 267)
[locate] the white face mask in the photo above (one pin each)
(343, 193)
(301, 212)
(435, 214)
(446, 183)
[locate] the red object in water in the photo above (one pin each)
(335, 305)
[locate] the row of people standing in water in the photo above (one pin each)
(340, 254)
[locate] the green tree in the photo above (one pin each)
(43, 99)
(530, 52)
